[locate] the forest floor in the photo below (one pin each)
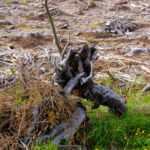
(24, 28)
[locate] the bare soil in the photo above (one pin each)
(85, 24)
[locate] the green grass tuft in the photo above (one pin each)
(45, 146)
(131, 131)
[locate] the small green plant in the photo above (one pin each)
(26, 3)
(45, 146)
(63, 141)
(7, 3)
(12, 70)
(130, 131)
(18, 92)
(19, 83)
(107, 82)
(20, 101)
(37, 26)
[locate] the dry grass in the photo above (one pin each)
(17, 104)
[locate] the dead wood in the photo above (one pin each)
(110, 74)
(76, 72)
(146, 88)
(38, 107)
(119, 27)
(67, 129)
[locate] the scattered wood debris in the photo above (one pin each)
(119, 27)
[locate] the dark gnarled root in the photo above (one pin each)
(102, 95)
(79, 62)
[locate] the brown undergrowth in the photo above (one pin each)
(18, 102)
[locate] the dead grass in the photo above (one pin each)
(17, 105)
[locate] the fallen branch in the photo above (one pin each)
(9, 84)
(110, 74)
(67, 129)
(64, 50)
(24, 145)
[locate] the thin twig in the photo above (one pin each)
(64, 50)
(6, 87)
(19, 130)
(110, 74)
(24, 145)
(9, 83)
(4, 123)
(53, 27)
(147, 87)
(63, 63)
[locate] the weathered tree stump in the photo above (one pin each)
(75, 76)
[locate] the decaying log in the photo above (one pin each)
(77, 119)
(31, 128)
(67, 129)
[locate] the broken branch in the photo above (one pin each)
(64, 50)
(146, 88)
